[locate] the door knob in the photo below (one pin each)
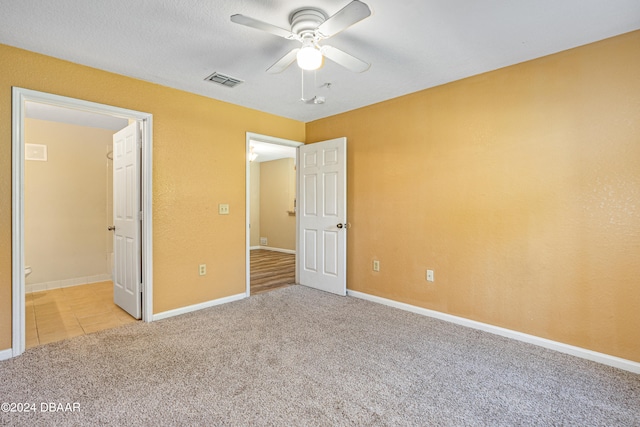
(111, 228)
(340, 225)
(347, 225)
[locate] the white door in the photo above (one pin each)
(126, 211)
(322, 210)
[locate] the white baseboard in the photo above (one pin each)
(605, 359)
(269, 248)
(6, 354)
(66, 283)
(196, 307)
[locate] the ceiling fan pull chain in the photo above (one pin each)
(302, 98)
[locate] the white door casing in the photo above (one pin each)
(250, 136)
(126, 217)
(322, 211)
(19, 98)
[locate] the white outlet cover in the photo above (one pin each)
(223, 209)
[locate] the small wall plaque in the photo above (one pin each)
(36, 152)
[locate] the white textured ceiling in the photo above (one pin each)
(34, 110)
(411, 44)
(267, 152)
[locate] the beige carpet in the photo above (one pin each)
(296, 356)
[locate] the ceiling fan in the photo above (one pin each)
(309, 26)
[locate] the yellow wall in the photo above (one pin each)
(254, 193)
(519, 187)
(66, 203)
(277, 192)
(198, 162)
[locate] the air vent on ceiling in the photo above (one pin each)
(224, 80)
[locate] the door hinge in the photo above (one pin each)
(140, 216)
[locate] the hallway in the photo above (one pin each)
(271, 270)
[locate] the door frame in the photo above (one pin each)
(250, 136)
(19, 97)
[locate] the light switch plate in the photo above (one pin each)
(223, 209)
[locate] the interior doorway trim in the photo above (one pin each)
(19, 97)
(270, 140)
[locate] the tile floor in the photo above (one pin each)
(64, 313)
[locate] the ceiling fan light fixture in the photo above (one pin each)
(309, 58)
(310, 26)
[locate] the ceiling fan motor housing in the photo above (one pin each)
(310, 26)
(305, 21)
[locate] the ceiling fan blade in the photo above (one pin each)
(348, 61)
(260, 25)
(354, 12)
(282, 63)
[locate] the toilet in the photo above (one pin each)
(27, 270)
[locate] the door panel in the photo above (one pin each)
(309, 202)
(330, 195)
(323, 213)
(126, 208)
(310, 257)
(330, 253)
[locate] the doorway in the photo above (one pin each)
(68, 199)
(271, 233)
(20, 99)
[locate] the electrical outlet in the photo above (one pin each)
(376, 265)
(202, 268)
(263, 241)
(430, 276)
(223, 209)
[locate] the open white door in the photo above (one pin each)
(322, 211)
(126, 217)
